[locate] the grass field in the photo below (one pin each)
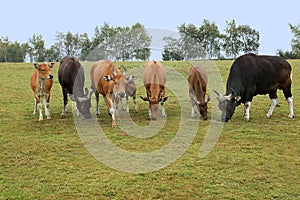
(258, 159)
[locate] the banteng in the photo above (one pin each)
(197, 80)
(154, 79)
(251, 75)
(71, 79)
(104, 77)
(41, 83)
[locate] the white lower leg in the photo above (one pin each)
(34, 108)
(290, 101)
(65, 110)
(135, 105)
(247, 111)
(193, 112)
(47, 112)
(163, 112)
(40, 111)
(273, 105)
(127, 104)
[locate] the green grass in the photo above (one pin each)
(258, 159)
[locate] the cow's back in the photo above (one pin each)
(154, 73)
(197, 79)
(71, 75)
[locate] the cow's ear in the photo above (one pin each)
(164, 99)
(36, 65)
(144, 98)
(52, 64)
(107, 78)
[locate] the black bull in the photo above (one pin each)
(71, 79)
(251, 75)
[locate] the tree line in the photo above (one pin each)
(207, 41)
(133, 43)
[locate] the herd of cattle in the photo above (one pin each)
(249, 76)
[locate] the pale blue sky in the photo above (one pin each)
(21, 19)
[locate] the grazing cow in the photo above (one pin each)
(154, 78)
(197, 80)
(71, 79)
(41, 83)
(104, 78)
(251, 75)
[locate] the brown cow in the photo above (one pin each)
(154, 78)
(104, 77)
(197, 80)
(41, 83)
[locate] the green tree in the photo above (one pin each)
(37, 46)
(296, 39)
(231, 43)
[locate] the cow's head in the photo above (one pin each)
(44, 70)
(83, 104)
(201, 106)
(115, 80)
(154, 103)
(227, 104)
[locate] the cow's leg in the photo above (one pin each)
(163, 112)
(135, 103)
(97, 102)
(47, 112)
(65, 108)
(290, 101)
(274, 101)
(193, 111)
(288, 96)
(127, 104)
(39, 104)
(273, 105)
(247, 110)
(34, 107)
(111, 110)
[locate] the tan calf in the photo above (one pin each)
(41, 83)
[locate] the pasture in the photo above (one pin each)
(258, 159)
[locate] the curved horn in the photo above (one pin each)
(90, 94)
(219, 95)
(81, 99)
(158, 98)
(125, 70)
(208, 98)
(113, 71)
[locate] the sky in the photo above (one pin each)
(21, 19)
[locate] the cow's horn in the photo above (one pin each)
(219, 95)
(158, 98)
(90, 94)
(113, 71)
(124, 70)
(81, 99)
(208, 98)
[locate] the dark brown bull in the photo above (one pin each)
(71, 79)
(154, 78)
(197, 80)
